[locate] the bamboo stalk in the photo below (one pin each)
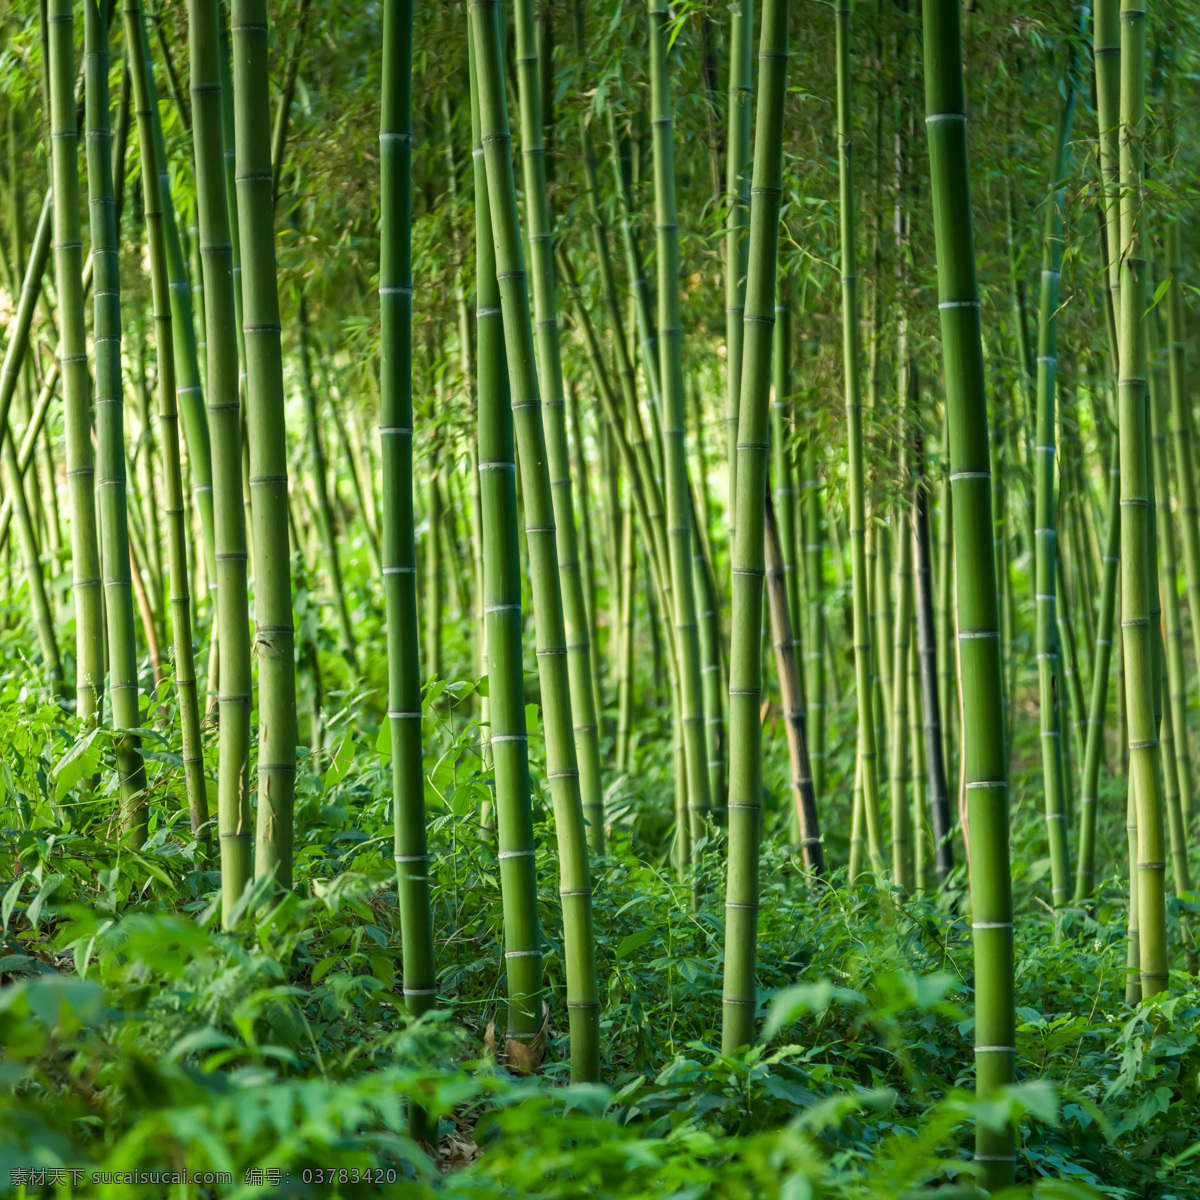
(852, 367)
(1138, 568)
(791, 697)
(110, 436)
(398, 549)
(224, 422)
(984, 766)
(575, 886)
(534, 106)
(168, 419)
(274, 636)
(67, 242)
(745, 658)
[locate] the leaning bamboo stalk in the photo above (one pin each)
(576, 633)
(189, 391)
(791, 697)
(1085, 871)
(318, 474)
(42, 614)
(940, 822)
(168, 419)
(677, 492)
(1046, 598)
(540, 532)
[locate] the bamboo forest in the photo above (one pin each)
(599, 599)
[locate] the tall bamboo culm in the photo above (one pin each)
(577, 632)
(677, 492)
(68, 259)
(399, 554)
(1045, 505)
(852, 367)
(575, 882)
(739, 994)
(984, 763)
(737, 219)
(224, 425)
(1139, 574)
(110, 434)
(168, 420)
(274, 635)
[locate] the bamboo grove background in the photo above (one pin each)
(712, 489)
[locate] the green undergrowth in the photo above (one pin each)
(137, 1035)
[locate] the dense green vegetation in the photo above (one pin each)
(598, 600)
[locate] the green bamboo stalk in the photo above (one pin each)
(1085, 871)
(29, 440)
(941, 826)
(18, 333)
(151, 513)
(1044, 524)
(42, 613)
(287, 93)
(110, 434)
(224, 422)
(354, 468)
(1003, 574)
(920, 779)
(587, 560)
(502, 601)
(704, 581)
(946, 658)
(189, 392)
(229, 130)
(625, 664)
(561, 761)
(168, 417)
(984, 765)
(782, 464)
(533, 105)
(852, 367)
(634, 473)
(1139, 571)
(1176, 761)
(791, 697)
(1072, 685)
(318, 475)
(898, 752)
(274, 637)
(640, 301)
(647, 481)
(398, 548)
(745, 660)
(690, 709)
(816, 641)
(68, 254)
(737, 221)
(433, 568)
(1182, 440)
